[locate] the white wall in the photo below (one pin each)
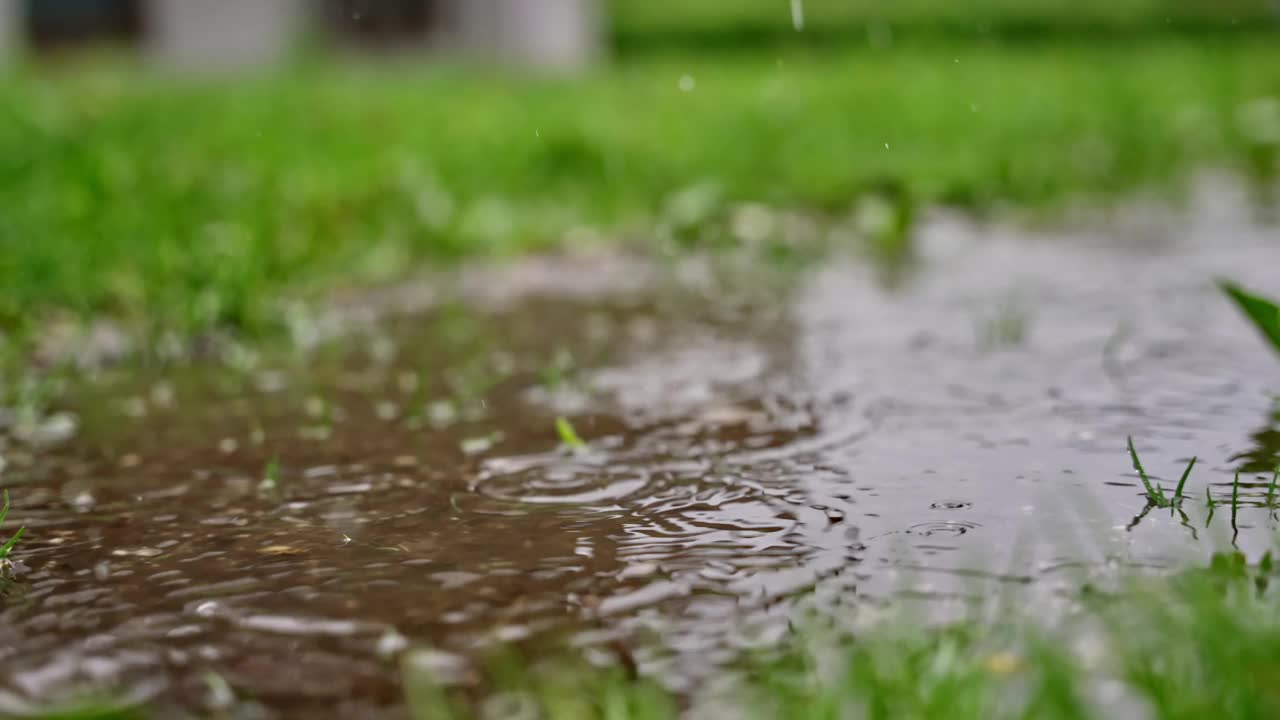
(224, 34)
(540, 34)
(553, 33)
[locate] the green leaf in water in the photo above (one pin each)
(1264, 313)
(271, 474)
(568, 435)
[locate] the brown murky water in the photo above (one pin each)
(830, 439)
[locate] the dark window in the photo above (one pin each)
(383, 22)
(54, 23)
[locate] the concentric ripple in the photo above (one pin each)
(557, 481)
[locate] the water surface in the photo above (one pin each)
(293, 528)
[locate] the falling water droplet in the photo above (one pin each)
(797, 14)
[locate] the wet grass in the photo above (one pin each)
(641, 25)
(1235, 503)
(9, 544)
(178, 208)
(564, 688)
(1263, 492)
(1155, 493)
(569, 436)
(1194, 644)
(1262, 312)
(270, 482)
(90, 710)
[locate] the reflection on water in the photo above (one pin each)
(292, 530)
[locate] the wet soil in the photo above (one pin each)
(751, 444)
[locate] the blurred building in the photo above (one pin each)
(239, 33)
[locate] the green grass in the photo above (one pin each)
(9, 544)
(646, 24)
(1182, 481)
(1262, 312)
(1155, 494)
(568, 436)
(91, 706)
(178, 206)
(270, 482)
(1201, 643)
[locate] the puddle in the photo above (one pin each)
(292, 529)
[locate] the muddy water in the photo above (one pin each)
(291, 528)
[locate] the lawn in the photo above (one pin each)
(644, 25)
(178, 206)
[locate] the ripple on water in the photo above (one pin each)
(953, 528)
(733, 467)
(553, 480)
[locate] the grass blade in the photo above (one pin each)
(1235, 501)
(4, 513)
(1271, 489)
(568, 435)
(1263, 313)
(8, 547)
(271, 475)
(1213, 506)
(1154, 492)
(1182, 483)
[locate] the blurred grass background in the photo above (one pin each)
(172, 204)
(641, 24)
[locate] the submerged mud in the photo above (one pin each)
(279, 536)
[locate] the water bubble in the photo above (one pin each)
(391, 643)
(687, 83)
(439, 667)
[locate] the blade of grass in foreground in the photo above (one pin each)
(1264, 313)
(1154, 492)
